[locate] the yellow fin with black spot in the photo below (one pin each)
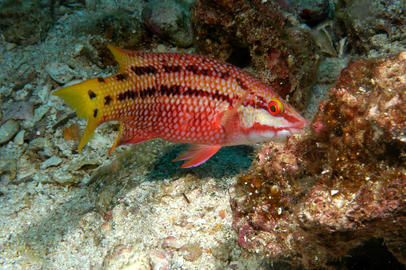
(85, 98)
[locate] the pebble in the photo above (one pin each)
(193, 252)
(19, 138)
(60, 72)
(40, 112)
(84, 165)
(8, 167)
(21, 110)
(8, 130)
(38, 144)
(160, 260)
(64, 178)
(172, 242)
(43, 93)
(51, 162)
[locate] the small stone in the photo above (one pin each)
(193, 252)
(159, 260)
(51, 162)
(18, 111)
(64, 178)
(60, 72)
(8, 130)
(10, 46)
(172, 242)
(40, 112)
(39, 144)
(43, 93)
(84, 165)
(19, 138)
(169, 20)
(8, 167)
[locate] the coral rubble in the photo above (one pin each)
(373, 27)
(283, 53)
(311, 200)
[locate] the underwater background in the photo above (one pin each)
(331, 198)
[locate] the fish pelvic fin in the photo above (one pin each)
(86, 99)
(197, 155)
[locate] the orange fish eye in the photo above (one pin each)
(275, 107)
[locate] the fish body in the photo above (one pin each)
(182, 98)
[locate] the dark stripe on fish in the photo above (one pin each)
(144, 70)
(173, 69)
(179, 90)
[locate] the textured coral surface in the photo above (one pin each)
(315, 197)
(283, 54)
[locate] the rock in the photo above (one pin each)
(193, 251)
(169, 20)
(349, 170)
(8, 130)
(60, 72)
(312, 12)
(160, 260)
(374, 28)
(259, 34)
(51, 162)
(122, 27)
(63, 178)
(19, 138)
(8, 167)
(40, 112)
(34, 27)
(21, 110)
(39, 144)
(84, 164)
(172, 242)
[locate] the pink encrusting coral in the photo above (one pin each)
(312, 199)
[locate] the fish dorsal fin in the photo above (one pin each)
(123, 57)
(197, 154)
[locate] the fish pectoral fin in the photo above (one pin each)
(230, 118)
(197, 155)
(126, 136)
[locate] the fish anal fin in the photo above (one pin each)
(197, 155)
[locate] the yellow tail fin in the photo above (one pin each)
(85, 98)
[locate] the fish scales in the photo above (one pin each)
(175, 95)
(182, 98)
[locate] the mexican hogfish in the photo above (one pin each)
(182, 98)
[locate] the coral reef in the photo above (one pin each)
(24, 22)
(373, 28)
(311, 200)
(283, 54)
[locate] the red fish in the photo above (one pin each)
(182, 98)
